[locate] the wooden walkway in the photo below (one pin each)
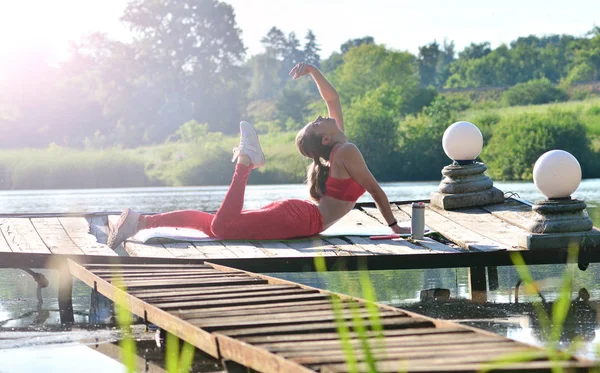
(467, 238)
(273, 325)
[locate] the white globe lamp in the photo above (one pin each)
(462, 142)
(557, 174)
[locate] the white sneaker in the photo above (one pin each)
(249, 145)
(125, 228)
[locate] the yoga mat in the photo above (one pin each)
(167, 234)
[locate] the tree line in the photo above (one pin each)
(186, 70)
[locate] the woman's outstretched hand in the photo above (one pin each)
(300, 69)
(400, 230)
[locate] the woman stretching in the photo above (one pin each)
(337, 177)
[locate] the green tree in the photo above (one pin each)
(368, 66)
(373, 126)
(344, 48)
(311, 49)
(190, 49)
(429, 56)
(475, 50)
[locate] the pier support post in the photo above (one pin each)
(478, 284)
(65, 296)
(492, 274)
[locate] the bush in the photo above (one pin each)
(62, 168)
(534, 92)
(518, 141)
(486, 122)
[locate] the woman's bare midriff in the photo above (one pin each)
(333, 210)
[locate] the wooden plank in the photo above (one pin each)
(300, 295)
(344, 247)
(183, 250)
(480, 221)
(182, 329)
(389, 339)
(282, 320)
(182, 277)
(277, 248)
(359, 219)
(136, 248)
(275, 307)
(55, 237)
(22, 237)
(316, 247)
(460, 235)
(410, 355)
(4, 246)
(429, 362)
(294, 308)
(221, 290)
(326, 327)
(398, 247)
(275, 340)
(513, 212)
(213, 249)
(256, 358)
(232, 296)
(244, 249)
(79, 231)
(375, 214)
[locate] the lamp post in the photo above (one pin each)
(464, 183)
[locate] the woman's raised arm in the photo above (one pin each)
(326, 89)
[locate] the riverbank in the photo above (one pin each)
(522, 132)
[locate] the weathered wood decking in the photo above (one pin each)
(469, 237)
(273, 325)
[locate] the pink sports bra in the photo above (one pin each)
(343, 189)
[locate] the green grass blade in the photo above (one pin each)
(124, 321)
(172, 353)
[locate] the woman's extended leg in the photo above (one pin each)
(193, 219)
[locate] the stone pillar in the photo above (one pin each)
(559, 223)
(465, 185)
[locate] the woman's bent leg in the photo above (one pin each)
(231, 208)
(182, 219)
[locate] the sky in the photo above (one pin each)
(399, 24)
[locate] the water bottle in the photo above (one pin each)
(418, 220)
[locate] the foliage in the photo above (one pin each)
(534, 92)
(368, 66)
(421, 154)
(58, 167)
(373, 128)
(518, 141)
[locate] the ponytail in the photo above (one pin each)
(311, 146)
(317, 175)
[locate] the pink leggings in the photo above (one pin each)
(277, 221)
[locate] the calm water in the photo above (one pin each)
(31, 339)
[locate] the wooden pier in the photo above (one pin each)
(199, 291)
(474, 237)
(272, 325)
